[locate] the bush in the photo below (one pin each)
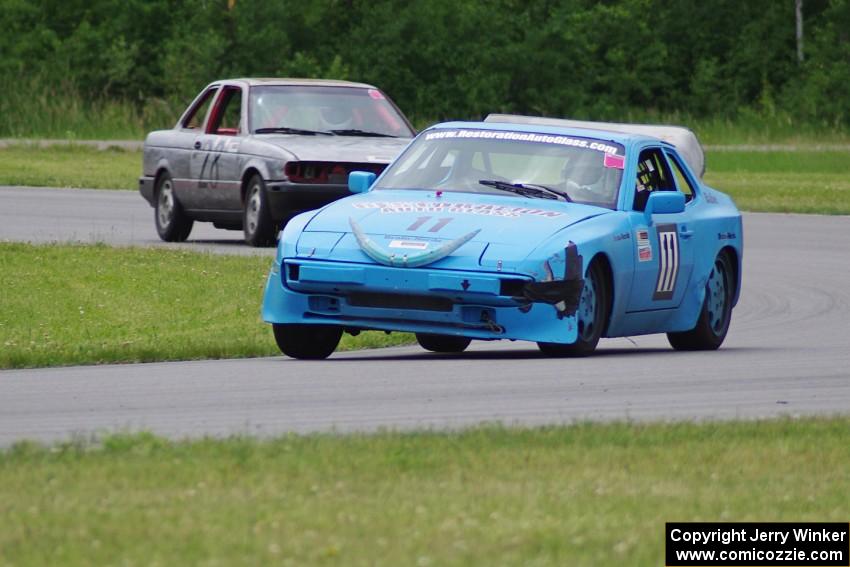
(438, 59)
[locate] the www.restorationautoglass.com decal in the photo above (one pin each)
(523, 137)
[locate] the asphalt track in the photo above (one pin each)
(787, 353)
(118, 218)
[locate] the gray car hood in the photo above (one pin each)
(338, 148)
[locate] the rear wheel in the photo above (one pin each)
(442, 343)
(716, 314)
(257, 223)
(172, 224)
(311, 342)
(592, 313)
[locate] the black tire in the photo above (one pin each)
(716, 313)
(257, 223)
(442, 343)
(172, 224)
(310, 342)
(591, 317)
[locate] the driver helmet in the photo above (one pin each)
(336, 118)
(585, 171)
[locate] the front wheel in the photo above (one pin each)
(172, 224)
(257, 223)
(592, 313)
(309, 342)
(442, 343)
(716, 314)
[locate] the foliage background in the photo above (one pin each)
(142, 60)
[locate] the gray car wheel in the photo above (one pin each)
(172, 224)
(257, 222)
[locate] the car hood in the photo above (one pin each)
(338, 148)
(413, 228)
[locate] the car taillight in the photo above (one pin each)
(325, 172)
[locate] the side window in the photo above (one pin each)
(227, 113)
(681, 179)
(653, 174)
(195, 119)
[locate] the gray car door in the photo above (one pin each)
(215, 158)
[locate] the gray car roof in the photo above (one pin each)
(299, 82)
(682, 138)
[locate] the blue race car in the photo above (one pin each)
(516, 228)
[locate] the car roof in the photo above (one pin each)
(288, 81)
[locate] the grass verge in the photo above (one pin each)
(575, 495)
(786, 182)
(70, 166)
(68, 304)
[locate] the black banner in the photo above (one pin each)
(745, 544)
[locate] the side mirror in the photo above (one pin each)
(664, 203)
(360, 181)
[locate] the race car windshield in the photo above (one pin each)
(587, 169)
(340, 111)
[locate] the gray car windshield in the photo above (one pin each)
(486, 161)
(310, 110)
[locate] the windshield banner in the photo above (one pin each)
(522, 137)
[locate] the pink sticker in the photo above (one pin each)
(376, 94)
(615, 161)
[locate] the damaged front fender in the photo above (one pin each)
(564, 293)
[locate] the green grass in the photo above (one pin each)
(788, 182)
(65, 304)
(70, 166)
(577, 495)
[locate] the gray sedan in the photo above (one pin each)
(248, 154)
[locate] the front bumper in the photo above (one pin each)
(478, 305)
(146, 188)
(286, 199)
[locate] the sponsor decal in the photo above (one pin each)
(644, 248)
(726, 236)
(396, 207)
(668, 262)
(522, 137)
(376, 94)
(614, 161)
(409, 244)
(623, 236)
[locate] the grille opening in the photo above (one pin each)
(327, 172)
(511, 287)
(294, 272)
(399, 301)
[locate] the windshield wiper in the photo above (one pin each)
(527, 189)
(355, 132)
(288, 130)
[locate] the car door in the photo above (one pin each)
(663, 243)
(179, 153)
(214, 161)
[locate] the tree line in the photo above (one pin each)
(444, 59)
